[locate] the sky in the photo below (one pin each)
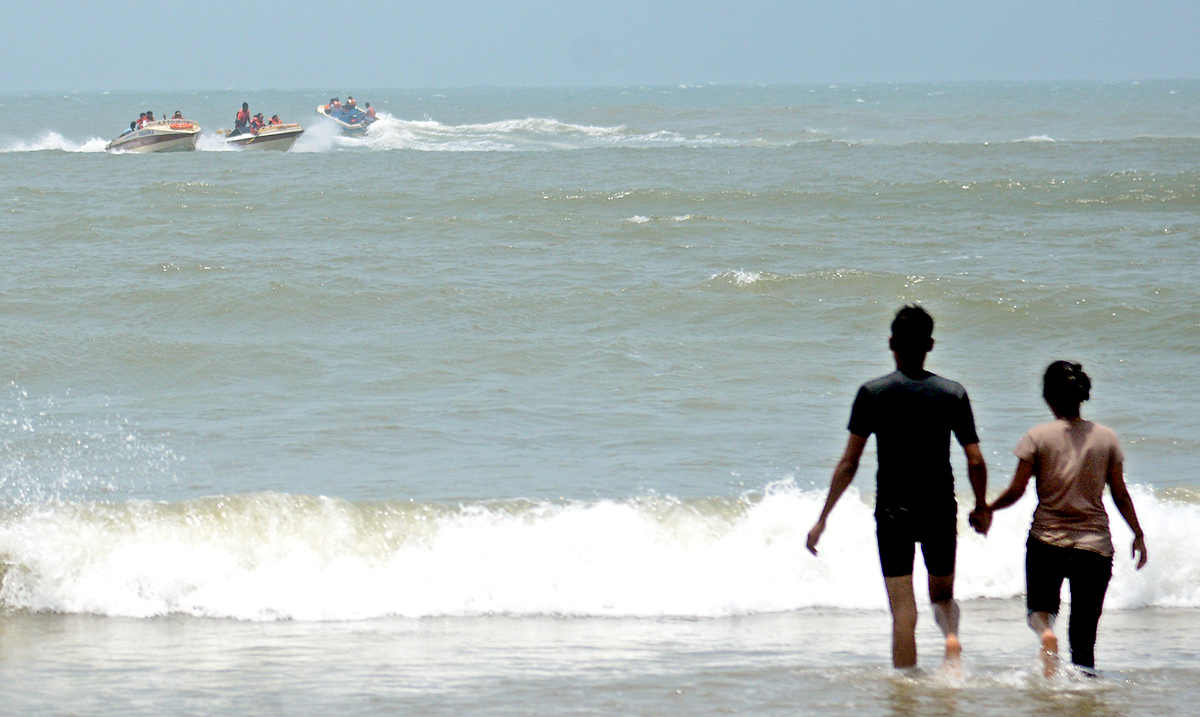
(99, 45)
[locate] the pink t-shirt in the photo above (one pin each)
(1071, 461)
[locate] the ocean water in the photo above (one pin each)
(524, 402)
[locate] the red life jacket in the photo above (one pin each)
(243, 117)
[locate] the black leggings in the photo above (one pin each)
(1046, 566)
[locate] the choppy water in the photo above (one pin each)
(565, 372)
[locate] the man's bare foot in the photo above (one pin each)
(953, 658)
(1049, 654)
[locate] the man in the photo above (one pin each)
(912, 413)
(241, 122)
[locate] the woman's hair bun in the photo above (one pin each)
(1066, 384)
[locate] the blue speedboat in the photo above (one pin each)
(351, 121)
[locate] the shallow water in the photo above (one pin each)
(526, 400)
(806, 662)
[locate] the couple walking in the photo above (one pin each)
(912, 412)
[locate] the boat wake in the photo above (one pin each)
(516, 135)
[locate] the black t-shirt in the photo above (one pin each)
(912, 418)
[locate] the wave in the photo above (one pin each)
(52, 141)
(270, 556)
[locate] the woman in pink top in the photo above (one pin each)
(1072, 460)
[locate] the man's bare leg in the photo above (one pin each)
(1043, 624)
(945, 614)
(903, 605)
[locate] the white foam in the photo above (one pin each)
(53, 141)
(320, 137)
(741, 277)
(271, 556)
(527, 134)
(212, 142)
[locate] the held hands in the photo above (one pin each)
(981, 519)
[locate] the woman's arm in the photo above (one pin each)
(1120, 494)
(1016, 488)
(981, 518)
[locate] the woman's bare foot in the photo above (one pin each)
(1049, 654)
(953, 657)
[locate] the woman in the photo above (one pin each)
(1073, 460)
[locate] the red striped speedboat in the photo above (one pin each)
(273, 136)
(169, 135)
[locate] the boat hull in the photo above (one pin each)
(272, 137)
(160, 136)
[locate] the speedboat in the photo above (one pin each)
(350, 120)
(273, 136)
(168, 135)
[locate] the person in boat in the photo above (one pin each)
(350, 103)
(150, 117)
(177, 116)
(256, 123)
(370, 113)
(132, 128)
(141, 121)
(334, 106)
(275, 120)
(241, 123)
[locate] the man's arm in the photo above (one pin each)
(980, 519)
(843, 474)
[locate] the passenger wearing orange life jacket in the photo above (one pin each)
(370, 113)
(141, 120)
(275, 120)
(256, 123)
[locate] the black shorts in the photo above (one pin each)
(899, 530)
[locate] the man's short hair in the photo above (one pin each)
(912, 330)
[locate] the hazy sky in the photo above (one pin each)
(271, 44)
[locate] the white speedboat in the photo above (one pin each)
(279, 137)
(169, 135)
(350, 120)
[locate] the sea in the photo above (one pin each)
(524, 402)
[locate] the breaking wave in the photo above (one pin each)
(270, 556)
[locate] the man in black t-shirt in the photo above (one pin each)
(912, 414)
